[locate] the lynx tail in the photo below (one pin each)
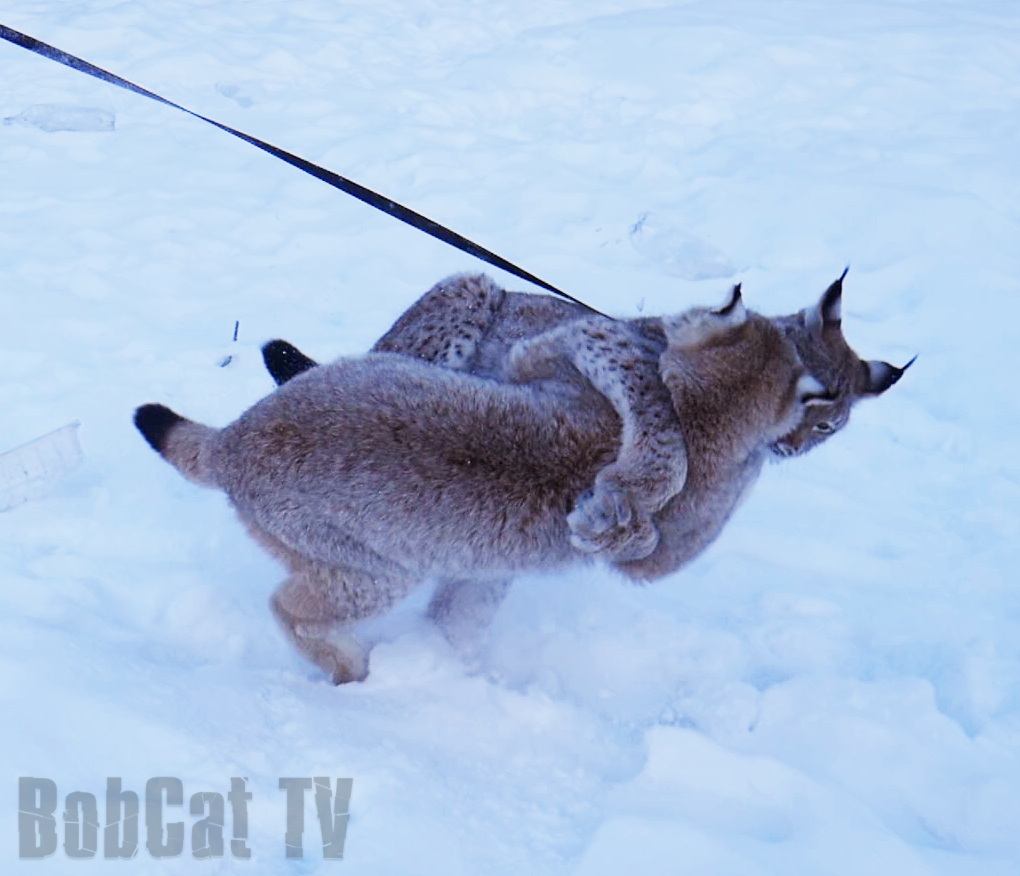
(284, 361)
(182, 443)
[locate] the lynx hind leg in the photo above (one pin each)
(316, 607)
(463, 608)
(615, 518)
(445, 326)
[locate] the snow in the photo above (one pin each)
(833, 688)
(57, 117)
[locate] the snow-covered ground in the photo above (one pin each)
(833, 688)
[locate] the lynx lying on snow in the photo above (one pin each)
(368, 475)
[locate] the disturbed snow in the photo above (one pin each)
(833, 688)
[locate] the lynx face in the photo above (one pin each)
(817, 334)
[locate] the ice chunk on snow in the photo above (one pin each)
(33, 469)
(678, 253)
(63, 117)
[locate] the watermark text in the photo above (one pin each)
(38, 834)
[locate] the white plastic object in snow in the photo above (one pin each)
(33, 469)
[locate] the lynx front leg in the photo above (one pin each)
(616, 516)
(445, 325)
(316, 608)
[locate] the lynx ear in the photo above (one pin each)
(879, 376)
(828, 312)
(811, 392)
(734, 306)
(700, 325)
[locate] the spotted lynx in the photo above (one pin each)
(480, 322)
(369, 475)
(469, 323)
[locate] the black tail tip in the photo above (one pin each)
(155, 423)
(285, 361)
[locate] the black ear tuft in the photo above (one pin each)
(155, 423)
(735, 298)
(285, 361)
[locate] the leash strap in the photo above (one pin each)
(397, 211)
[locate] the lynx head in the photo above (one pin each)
(817, 335)
(736, 379)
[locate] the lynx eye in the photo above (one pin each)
(824, 428)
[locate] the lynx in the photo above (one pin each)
(632, 441)
(467, 322)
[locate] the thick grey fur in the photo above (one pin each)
(545, 440)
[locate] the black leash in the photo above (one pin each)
(397, 211)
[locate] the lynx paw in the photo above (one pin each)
(345, 659)
(607, 521)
